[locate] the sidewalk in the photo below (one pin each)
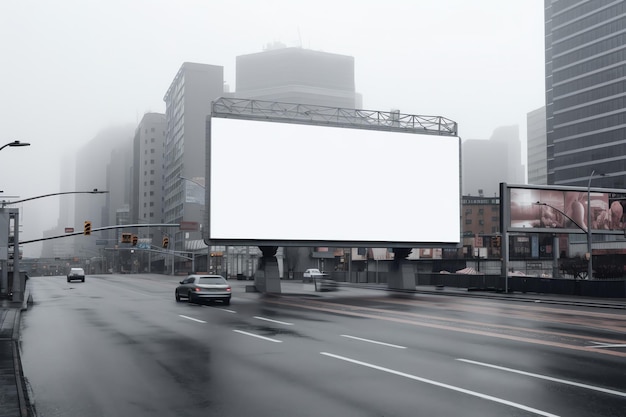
(14, 401)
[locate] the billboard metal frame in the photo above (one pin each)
(332, 116)
(539, 225)
(272, 111)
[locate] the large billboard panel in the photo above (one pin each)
(276, 183)
(546, 209)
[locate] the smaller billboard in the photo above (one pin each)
(567, 209)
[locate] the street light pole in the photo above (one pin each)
(14, 143)
(17, 284)
(555, 239)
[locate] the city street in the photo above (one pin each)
(120, 345)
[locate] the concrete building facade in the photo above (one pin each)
(585, 47)
(536, 147)
(188, 103)
(146, 198)
(297, 75)
(487, 163)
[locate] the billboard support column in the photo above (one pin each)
(505, 220)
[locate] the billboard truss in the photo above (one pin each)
(333, 116)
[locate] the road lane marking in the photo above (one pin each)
(228, 311)
(442, 385)
(273, 321)
(547, 378)
(258, 336)
(374, 341)
(607, 345)
(191, 318)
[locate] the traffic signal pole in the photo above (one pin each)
(95, 229)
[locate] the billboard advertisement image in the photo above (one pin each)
(567, 209)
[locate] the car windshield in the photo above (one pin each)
(211, 280)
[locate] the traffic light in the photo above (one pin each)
(166, 242)
(126, 237)
(135, 239)
(87, 228)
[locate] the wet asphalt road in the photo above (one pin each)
(122, 346)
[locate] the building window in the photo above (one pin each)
(468, 211)
(481, 211)
(468, 221)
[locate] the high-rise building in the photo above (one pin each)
(586, 92)
(62, 248)
(487, 163)
(187, 105)
(536, 147)
(146, 197)
(104, 163)
(297, 75)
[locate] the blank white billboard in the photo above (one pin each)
(281, 183)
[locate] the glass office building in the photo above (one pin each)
(586, 92)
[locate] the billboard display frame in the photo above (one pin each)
(562, 209)
(215, 192)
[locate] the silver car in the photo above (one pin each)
(196, 288)
(76, 274)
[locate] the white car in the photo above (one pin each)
(320, 279)
(76, 274)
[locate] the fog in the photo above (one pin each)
(71, 68)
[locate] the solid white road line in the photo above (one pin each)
(442, 385)
(547, 378)
(273, 321)
(256, 335)
(607, 345)
(373, 341)
(191, 318)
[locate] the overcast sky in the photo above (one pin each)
(70, 68)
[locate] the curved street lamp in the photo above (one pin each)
(14, 143)
(555, 267)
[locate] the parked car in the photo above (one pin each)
(321, 280)
(196, 288)
(76, 274)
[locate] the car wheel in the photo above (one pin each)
(176, 295)
(189, 299)
(68, 280)
(227, 302)
(82, 280)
